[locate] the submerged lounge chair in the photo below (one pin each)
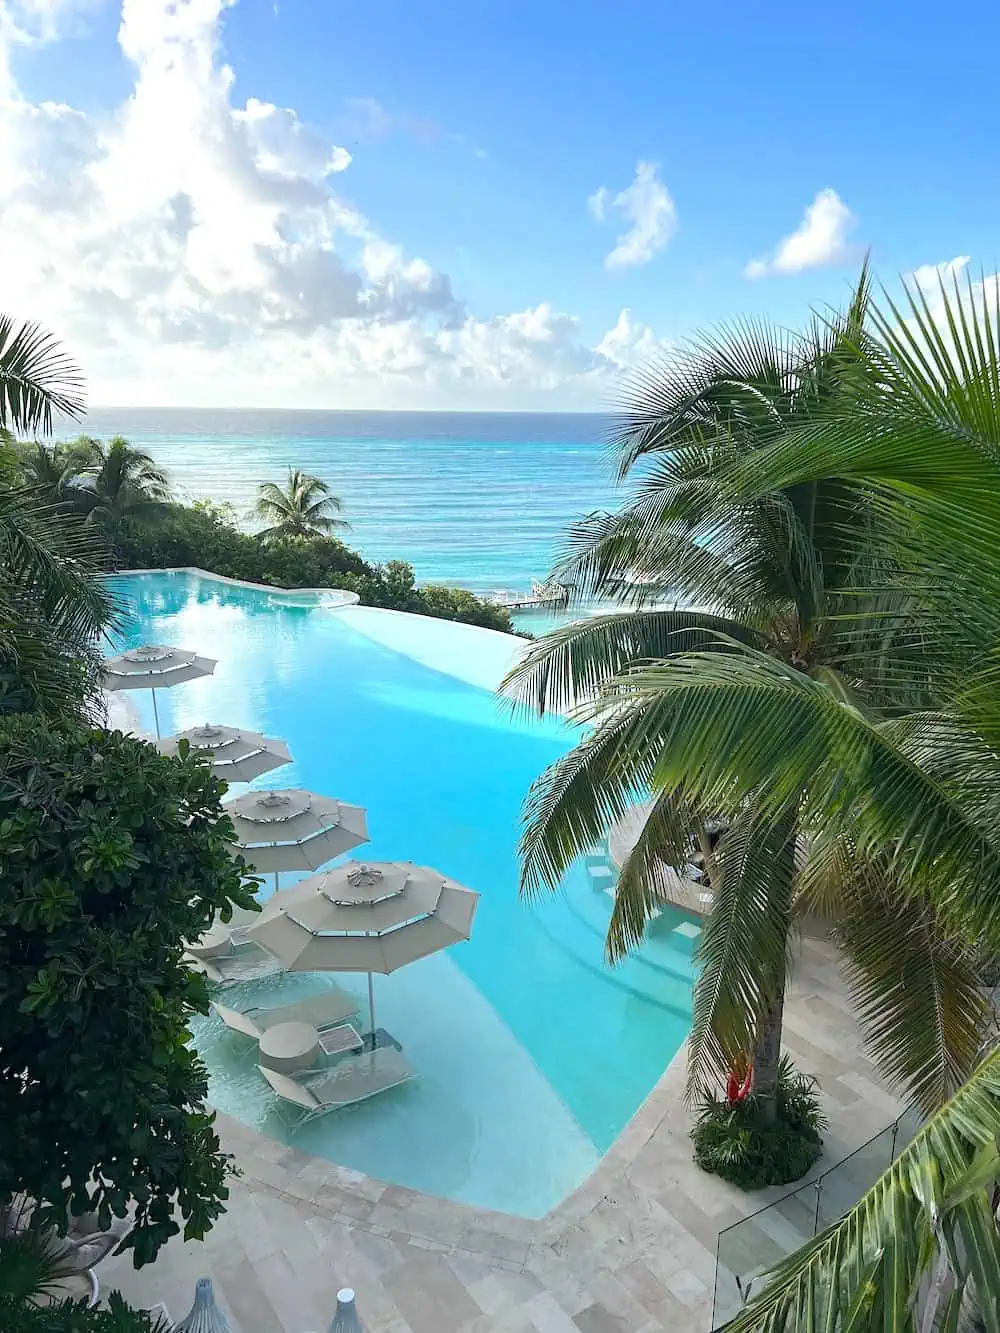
(240, 961)
(328, 1009)
(352, 1080)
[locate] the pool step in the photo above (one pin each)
(686, 937)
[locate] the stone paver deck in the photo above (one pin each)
(632, 1249)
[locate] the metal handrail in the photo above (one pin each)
(817, 1185)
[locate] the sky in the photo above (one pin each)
(498, 204)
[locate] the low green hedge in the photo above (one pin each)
(204, 536)
(732, 1140)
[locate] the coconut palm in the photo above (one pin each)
(118, 482)
(304, 507)
(777, 569)
(53, 604)
(49, 469)
(920, 791)
(37, 378)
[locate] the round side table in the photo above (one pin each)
(289, 1047)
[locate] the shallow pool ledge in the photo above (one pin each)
(478, 656)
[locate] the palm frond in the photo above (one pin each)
(867, 1271)
(915, 987)
(37, 379)
(664, 842)
(742, 956)
(570, 665)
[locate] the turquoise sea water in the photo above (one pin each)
(532, 1053)
(481, 500)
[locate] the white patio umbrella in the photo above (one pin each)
(237, 756)
(154, 667)
(294, 829)
(365, 918)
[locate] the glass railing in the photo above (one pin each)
(749, 1248)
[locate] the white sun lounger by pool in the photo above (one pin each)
(325, 1010)
(352, 1080)
(242, 962)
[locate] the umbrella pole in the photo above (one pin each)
(156, 716)
(371, 1006)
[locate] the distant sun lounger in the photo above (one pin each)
(354, 1079)
(244, 961)
(325, 1010)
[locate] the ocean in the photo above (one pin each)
(479, 500)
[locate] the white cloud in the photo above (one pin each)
(929, 277)
(192, 248)
(820, 239)
(647, 205)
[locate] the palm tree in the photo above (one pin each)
(53, 604)
(118, 482)
(777, 569)
(305, 507)
(49, 469)
(922, 430)
(37, 378)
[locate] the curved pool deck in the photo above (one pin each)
(532, 1054)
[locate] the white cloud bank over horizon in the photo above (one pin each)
(192, 251)
(648, 206)
(818, 241)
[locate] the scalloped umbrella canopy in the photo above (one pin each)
(236, 755)
(292, 829)
(205, 1316)
(154, 667)
(365, 918)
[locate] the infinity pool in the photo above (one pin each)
(532, 1053)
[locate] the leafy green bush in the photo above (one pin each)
(204, 536)
(76, 1317)
(732, 1141)
(111, 856)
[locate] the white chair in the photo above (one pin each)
(352, 1080)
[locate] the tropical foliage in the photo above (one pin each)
(818, 649)
(49, 470)
(52, 603)
(303, 507)
(37, 379)
(114, 481)
(892, 767)
(113, 856)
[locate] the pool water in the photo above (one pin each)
(532, 1054)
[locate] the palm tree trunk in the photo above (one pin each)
(767, 1056)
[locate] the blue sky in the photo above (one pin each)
(477, 135)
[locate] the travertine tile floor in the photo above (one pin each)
(632, 1249)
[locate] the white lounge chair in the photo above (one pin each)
(328, 1009)
(243, 960)
(352, 1080)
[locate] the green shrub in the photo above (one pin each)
(112, 855)
(204, 535)
(77, 1317)
(732, 1140)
